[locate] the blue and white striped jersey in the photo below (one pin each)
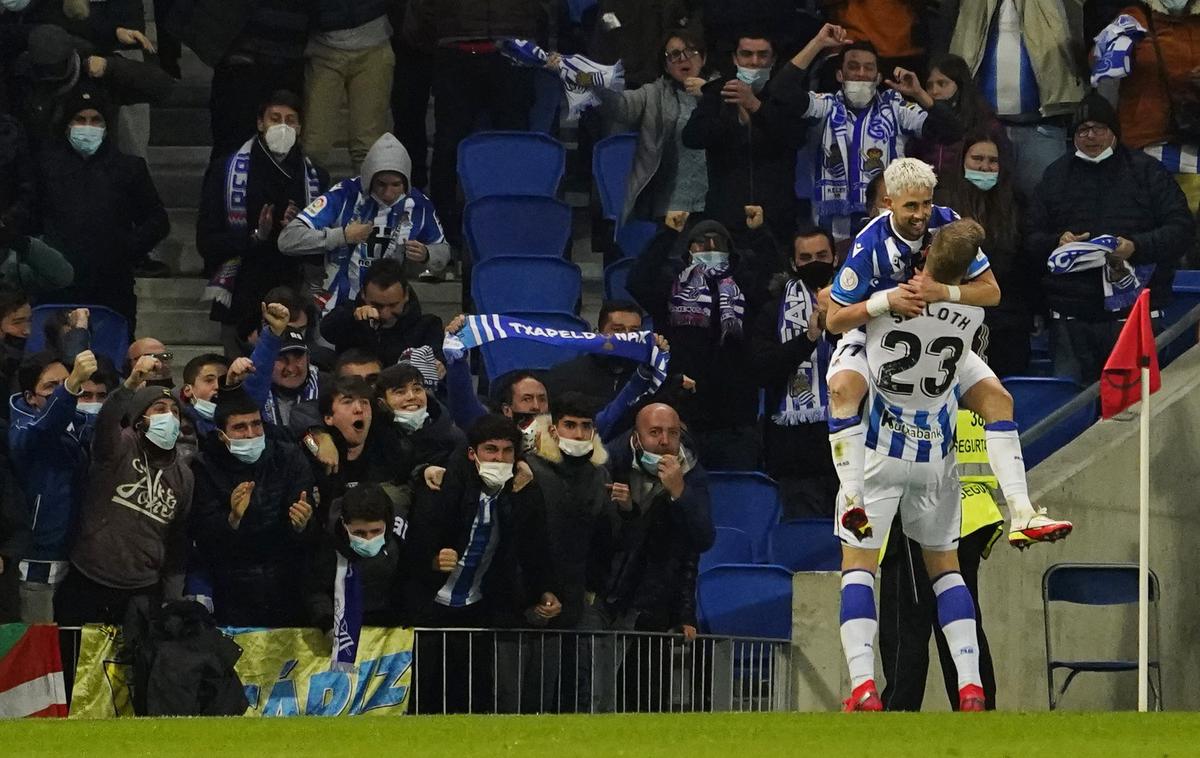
(464, 585)
(881, 258)
(1006, 77)
(914, 380)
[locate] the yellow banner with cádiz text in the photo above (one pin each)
(285, 673)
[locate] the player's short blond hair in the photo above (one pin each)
(908, 174)
(952, 251)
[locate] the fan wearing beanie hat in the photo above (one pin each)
(1095, 129)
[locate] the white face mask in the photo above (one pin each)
(280, 139)
(90, 409)
(859, 94)
(411, 420)
(712, 259)
(1105, 155)
(495, 474)
(575, 448)
(756, 77)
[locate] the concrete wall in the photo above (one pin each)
(1093, 482)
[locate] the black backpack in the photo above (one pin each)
(182, 663)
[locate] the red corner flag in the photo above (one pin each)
(1121, 379)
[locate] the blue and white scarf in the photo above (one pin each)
(347, 615)
(1112, 55)
(237, 182)
(691, 302)
(310, 390)
(579, 75)
(854, 151)
(637, 346)
(806, 400)
(1121, 282)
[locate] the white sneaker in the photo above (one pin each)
(1037, 528)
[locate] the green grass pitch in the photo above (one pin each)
(1063, 735)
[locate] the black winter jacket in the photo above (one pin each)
(18, 181)
(256, 569)
(1129, 195)
(654, 561)
(384, 577)
(412, 329)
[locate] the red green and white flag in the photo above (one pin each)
(31, 672)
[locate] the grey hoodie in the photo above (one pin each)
(387, 154)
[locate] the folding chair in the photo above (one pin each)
(746, 600)
(612, 160)
(1097, 584)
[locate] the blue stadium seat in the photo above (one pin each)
(615, 275)
(633, 238)
(110, 330)
(612, 160)
(1185, 296)
(746, 600)
(745, 500)
(731, 546)
(510, 163)
(805, 545)
(499, 358)
(1034, 398)
(500, 285)
(525, 225)
(1097, 584)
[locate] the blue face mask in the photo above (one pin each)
(411, 420)
(755, 77)
(88, 409)
(86, 139)
(248, 450)
(984, 180)
(206, 409)
(712, 259)
(649, 462)
(367, 548)
(163, 430)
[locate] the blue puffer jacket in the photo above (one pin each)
(50, 458)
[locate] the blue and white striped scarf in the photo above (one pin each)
(1112, 55)
(691, 302)
(853, 151)
(807, 397)
(310, 390)
(1121, 281)
(637, 346)
(580, 76)
(237, 180)
(347, 615)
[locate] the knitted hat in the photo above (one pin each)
(1093, 107)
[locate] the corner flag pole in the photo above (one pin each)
(1144, 542)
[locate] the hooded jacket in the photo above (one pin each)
(133, 525)
(256, 569)
(412, 329)
(320, 228)
(49, 451)
(653, 565)
(1130, 195)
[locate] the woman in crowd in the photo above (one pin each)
(982, 189)
(950, 79)
(666, 176)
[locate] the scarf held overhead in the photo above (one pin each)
(579, 75)
(637, 346)
(1121, 282)
(807, 397)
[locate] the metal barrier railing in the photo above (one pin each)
(550, 671)
(1089, 394)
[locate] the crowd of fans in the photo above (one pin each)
(337, 426)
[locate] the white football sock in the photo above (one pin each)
(848, 442)
(1004, 453)
(859, 624)
(956, 615)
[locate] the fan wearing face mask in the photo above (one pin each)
(371, 536)
(569, 467)
(249, 196)
(950, 81)
(861, 129)
(252, 518)
(417, 417)
(53, 419)
(1091, 193)
(132, 536)
(984, 190)
(98, 206)
(485, 553)
(361, 220)
(791, 353)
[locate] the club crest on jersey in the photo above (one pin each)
(848, 279)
